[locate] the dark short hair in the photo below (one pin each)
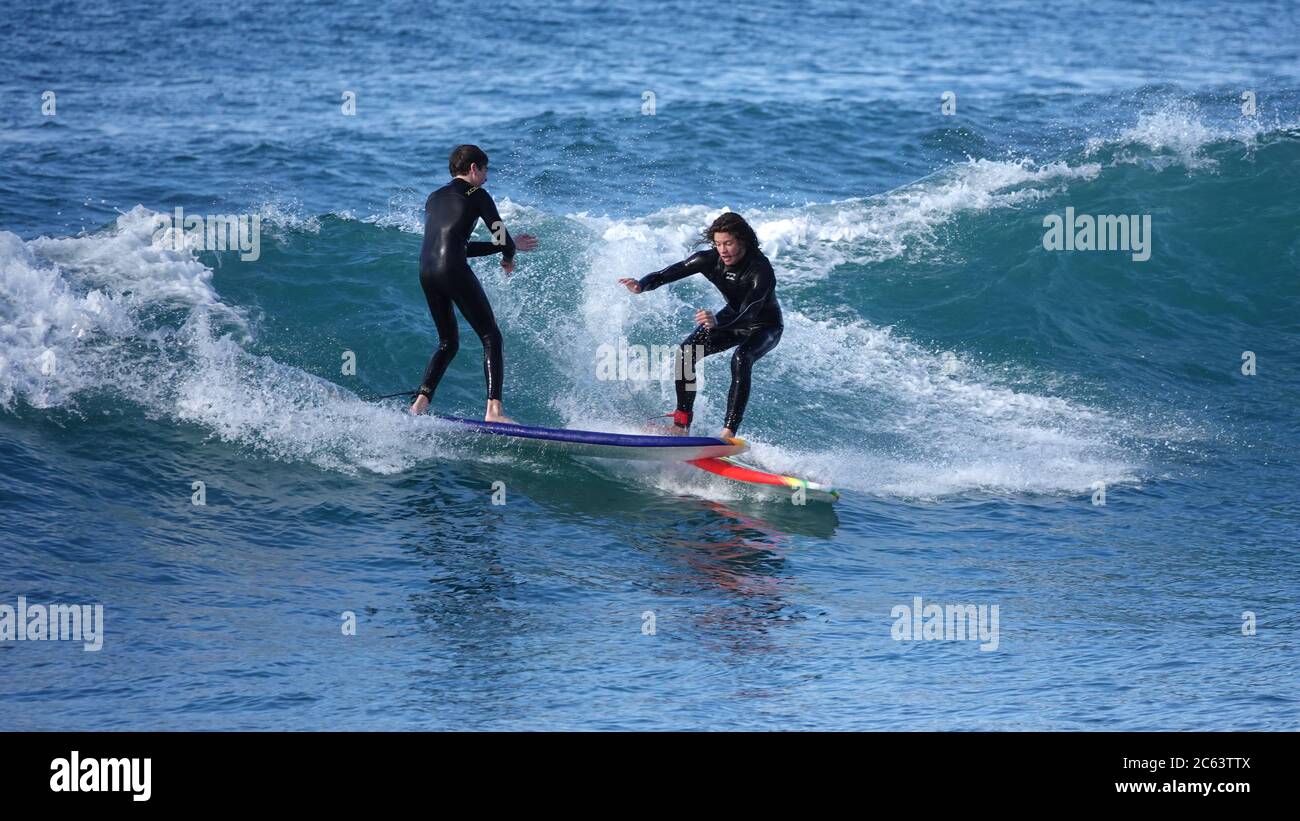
(463, 156)
(734, 224)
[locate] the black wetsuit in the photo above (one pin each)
(751, 322)
(450, 215)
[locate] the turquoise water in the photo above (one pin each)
(964, 387)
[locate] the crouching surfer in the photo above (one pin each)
(750, 323)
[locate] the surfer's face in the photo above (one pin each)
(730, 249)
(477, 175)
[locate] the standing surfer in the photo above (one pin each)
(450, 215)
(750, 323)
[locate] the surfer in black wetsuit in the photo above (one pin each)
(751, 322)
(450, 215)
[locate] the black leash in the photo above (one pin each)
(389, 396)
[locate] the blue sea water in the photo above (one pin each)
(969, 391)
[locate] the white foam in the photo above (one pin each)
(283, 215)
(938, 425)
(810, 241)
(123, 317)
(288, 414)
(1176, 132)
(71, 304)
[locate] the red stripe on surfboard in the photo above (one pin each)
(739, 472)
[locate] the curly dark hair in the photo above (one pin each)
(734, 224)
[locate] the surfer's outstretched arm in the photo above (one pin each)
(696, 263)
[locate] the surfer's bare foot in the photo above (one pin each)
(420, 405)
(495, 413)
(727, 433)
(678, 430)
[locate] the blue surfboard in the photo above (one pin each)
(605, 445)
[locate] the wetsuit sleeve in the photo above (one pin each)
(762, 290)
(696, 263)
(487, 211)
(482, 249)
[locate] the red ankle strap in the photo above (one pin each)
(682, 419)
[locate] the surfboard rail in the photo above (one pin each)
(607, 445)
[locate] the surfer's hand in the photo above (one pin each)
(525, 242)
(632, 285)
(705, 318)
(508, 265)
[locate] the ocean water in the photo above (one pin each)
(972, 393)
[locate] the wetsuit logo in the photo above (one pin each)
(733, 275)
